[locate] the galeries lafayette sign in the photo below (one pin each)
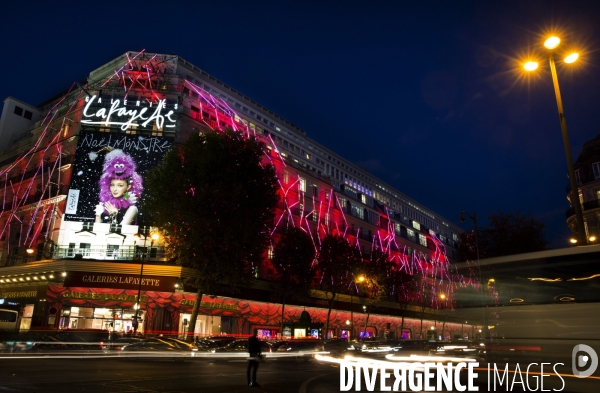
(122, 281)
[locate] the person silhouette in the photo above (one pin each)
(255, 351)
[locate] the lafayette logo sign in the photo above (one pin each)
(134, 115)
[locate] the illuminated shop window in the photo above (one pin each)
(422, 240)
(84, 249)
(397, 228)
(342, 202)
(358, 211)
(302, 185)
(270, 252)
(416, 225)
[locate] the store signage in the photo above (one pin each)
(103, 296)
(120, 281)
(186, 302)
(143, 114)
(17, 294)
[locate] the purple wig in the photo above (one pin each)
(119, 165)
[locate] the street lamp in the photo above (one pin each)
(137, 306)
(551, 44)
(359, 279)
(474, 218)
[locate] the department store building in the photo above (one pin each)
(62, 265)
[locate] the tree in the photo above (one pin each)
(214, 198)
(405, 287)
(338, 262)
(293, 263)
(467, 247)
(377, 273)
(506, 234)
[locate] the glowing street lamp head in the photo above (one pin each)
(552, 42)
(531, 66)
(571, 58)
(361, 278)
(573, 240)
(442, 296)
(154, 236)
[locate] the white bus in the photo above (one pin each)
(9, 320)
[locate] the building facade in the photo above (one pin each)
(587, 175)
(60, 241)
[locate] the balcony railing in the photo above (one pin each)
(108, 253)
(99, 253)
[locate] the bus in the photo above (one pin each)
(9, 321)
(539, 307)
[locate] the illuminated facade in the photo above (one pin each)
(68, 154)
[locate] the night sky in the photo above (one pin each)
(428, 97)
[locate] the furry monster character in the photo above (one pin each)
(119, 165)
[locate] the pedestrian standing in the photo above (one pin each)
(255, 354)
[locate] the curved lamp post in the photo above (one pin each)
(551, 44)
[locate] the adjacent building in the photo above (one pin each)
(587, 175)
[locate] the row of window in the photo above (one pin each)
(23, 113)
(345, 175)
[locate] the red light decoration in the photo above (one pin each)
(217, 114)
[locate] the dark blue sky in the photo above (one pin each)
(426, 96)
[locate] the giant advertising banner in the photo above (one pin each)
(107, 181)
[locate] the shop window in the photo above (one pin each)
(71, 250)
(25, 323)
(302, 184)
(286, 177)
(112, 250)
(84, 249)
